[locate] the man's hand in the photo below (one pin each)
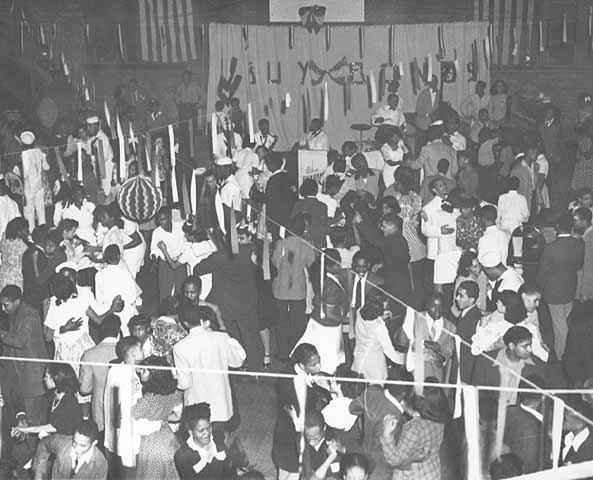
(71, 325)
(117, 304)
(446, 230)
(389, 425)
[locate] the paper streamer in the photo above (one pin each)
(400, 67)
(328, 37)
(263, 223)
(250, 123)
(120, 41)
(361, 41)
(564, 29)
(42, 34)
(429, 74)
(22, 38)
(373, 87)
(472, 430)
(541, 36)
(290, 37)
(174, 192)
(83, 80)
(133, 139)
(107, 116)
(458, 409)
(122, 150)
(79, 166)
(515, 42)
(590, 22)
(214, 133)
(287, 100)
(325, 102)
(190, 127)
(557, 420)
(193, 194)
(87, 95)
(147, 155)
(321, 285)
(391, 45)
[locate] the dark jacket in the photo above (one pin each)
(317, 211)
(466, 327)
(522, 435)
(185, 459)
(60, 446)
(280, 199)
(558, 267)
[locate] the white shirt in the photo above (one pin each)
(207, 454)
(315, 141)
(513, 211)
(8, 211)
(431, 228)
(493, 246)
(107, 150)
(174, 241)
(246, 160)
(511, 280)
(34, 163)
(390, 116)
(458, 142)
(332, 204)
(221, 144)
(83, 215)
(194, 253)
(263, 140)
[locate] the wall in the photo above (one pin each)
(562, 84)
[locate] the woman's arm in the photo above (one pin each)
(170, 261)
(117, 305)
(136, 240)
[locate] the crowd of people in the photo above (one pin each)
(468, 258)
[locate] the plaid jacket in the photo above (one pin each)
(416, 453)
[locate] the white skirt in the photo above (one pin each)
(445, 267)
(328, 341)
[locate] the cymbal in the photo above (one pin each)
(361, 127)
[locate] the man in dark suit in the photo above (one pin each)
(319, 456)
(524, 426)
(375, 403)
(314, 210)
(557, 277)
(465, 298)
(25, 339)
(34, 291)
(427, 104)
(280, 195)
(75, 457)
(396, 256)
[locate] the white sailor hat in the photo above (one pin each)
(27, 137)
(68, 265)
(92, 120)
(223, 161)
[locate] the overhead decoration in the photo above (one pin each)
(390, 43)
(564, 29)
(372, 87)
(122, 152)
(278, 78)
(251, 73)
(312, 18)
(227, 87)
(328, 37)
(448, 71)
(541, 36)
(389, 77)
(441, 41)
(139, 199)
(361, 41)
(79, 161)
(250, 123)
(245, 34)
(120, 42)
(357, 73)
(291, 37)
(325, 102)
(172, 150)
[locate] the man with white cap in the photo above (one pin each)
(101, 147)
(500, 278)
(34, 164)
(228, 195)
(8, 207)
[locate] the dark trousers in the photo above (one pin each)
(418, 297)
(291, 325)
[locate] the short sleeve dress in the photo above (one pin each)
(11, 268)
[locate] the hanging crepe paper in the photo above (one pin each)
(147, 156)
(120, 42)
(87, 34)
(458, 409)
(101, 160)
(22, 38)
(107, 116)
(348, 95)
(122, 150)
(373, 87)
(541, 36)
(564, 29)
(61, 166)
(321, 284)
(291, 36)
(174, 192)
(472, 430)
(214, 133)
(328, 37)
(590, 22)
(263, 228)
(193, 194)
(185, 195)
(400, 67)
(79, 164)
(287, 100)
(515, 42)
(83, 81)
(133, 139)
(391, 45)
(87, 95)
(455, 60)
(440, 51)
(245, 37)
(325, 103)
(41, 35)
(485, 44)
(64, 65)
(190, 126)
(250, 123)
(309, 112)
(361, 41)
(157, 178)
(429, 71)
(557, 419)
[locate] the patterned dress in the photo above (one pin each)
(469, 232)
(583, 170)
(411, 205)
(11, 268)
(158, 448)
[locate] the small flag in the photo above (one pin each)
(174, 192)
(250, 123)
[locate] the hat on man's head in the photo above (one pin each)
(489, 258)
(519, 155)
(437, 123)
(221, 161)
(67, 265)
(27, 138)
(92, 120)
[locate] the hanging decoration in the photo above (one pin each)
(590, 22)
(245, 34)
(441, 51)
(391, 45)
(87, 35)
(147, 155)
(139, 199)
(361, 42)
(174, 192)
(372, 87)
(564, 29)
(133, 140)
(448, 71)
(541, 36)
(250, 123)
(312, 18)
(287, 100)
(107, 116)
(193, 194)
(278, 78)
(227, 87)
(79, 163)
(325, 102)
(515, 43)
(122, 151)
(120, 42)
(400, 67)
(328, 37)
(251, 73)
(291, 37)
(429, 70)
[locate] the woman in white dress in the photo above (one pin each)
(76, 207)
(114, 230)
(372, 342)
(67, 319)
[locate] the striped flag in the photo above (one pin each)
(514, 28)
(168, 31)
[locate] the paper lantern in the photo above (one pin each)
(138, 199)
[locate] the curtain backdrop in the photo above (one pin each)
(254, 46)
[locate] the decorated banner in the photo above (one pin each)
(311, 164)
